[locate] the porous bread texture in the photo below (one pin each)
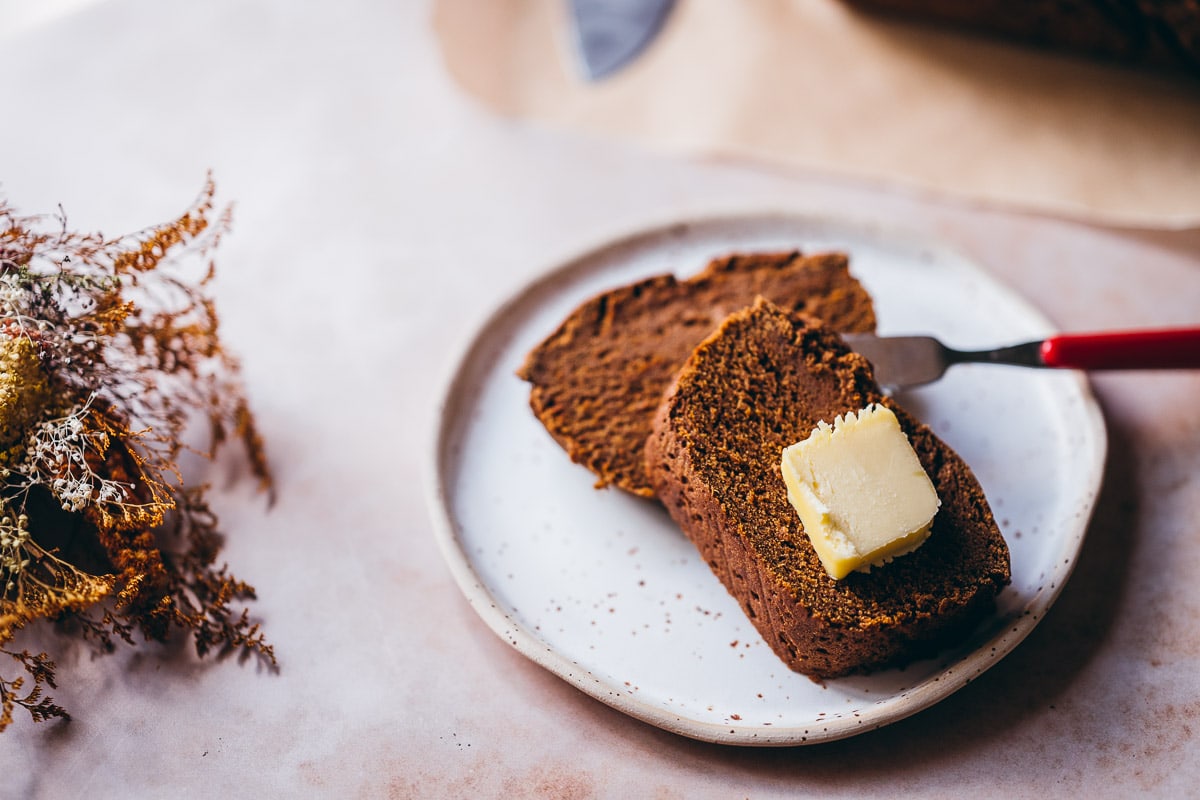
(761, 382)
(598, 379)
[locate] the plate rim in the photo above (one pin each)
(938, 686)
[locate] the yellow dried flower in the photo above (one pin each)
(24, 390)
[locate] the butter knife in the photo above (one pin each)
(906, 361)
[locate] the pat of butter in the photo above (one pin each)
(860, 491)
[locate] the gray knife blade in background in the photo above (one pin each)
(611, 33)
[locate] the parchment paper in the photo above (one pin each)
(816, 85)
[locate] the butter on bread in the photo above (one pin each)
(860, 490)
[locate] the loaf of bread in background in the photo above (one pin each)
(1160, 32)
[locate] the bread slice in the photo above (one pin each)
(761, 382)
(597, 380)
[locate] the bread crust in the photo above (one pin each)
(758, 384)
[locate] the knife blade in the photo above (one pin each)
(610, 34)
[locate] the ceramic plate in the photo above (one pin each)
(603, 590)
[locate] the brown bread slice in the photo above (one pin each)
(761, 382)
(597, 380)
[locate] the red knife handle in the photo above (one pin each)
(1169, 348)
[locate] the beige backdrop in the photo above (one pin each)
(813, 84)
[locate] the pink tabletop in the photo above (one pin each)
(379, 214)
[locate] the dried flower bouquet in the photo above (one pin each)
(108, 353)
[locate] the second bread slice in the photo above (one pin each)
(597, 380)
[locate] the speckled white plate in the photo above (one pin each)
(603, 590)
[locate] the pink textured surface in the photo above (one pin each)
(379, 214)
